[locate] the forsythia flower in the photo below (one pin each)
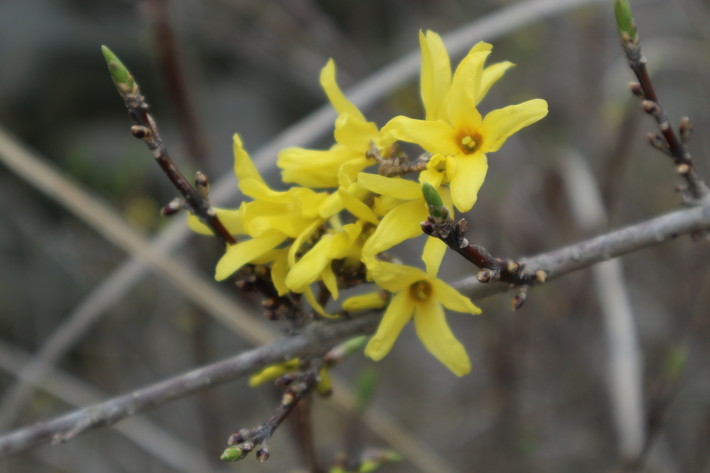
(453, 126)
(420, 296)
(334, 236)
(354, 136)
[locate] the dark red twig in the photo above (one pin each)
(675, 146)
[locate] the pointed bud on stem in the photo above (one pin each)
(437, 209)
(123, 79)
(625, 19)
(232, 454)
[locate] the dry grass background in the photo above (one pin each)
(537, 398)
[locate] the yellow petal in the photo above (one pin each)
(309, 268)
(335, 95)
(279, 270)
(435, 334)
(491, 75)
(394, 277)
(272, 372)
(301, 239)
(243, 166)
(316, 306)
(309, 167)
(468, 179)
(398, 313)
(357, 207)
(453, 299)
(434, 136)
(434, 250)
(400, 223)
(371, 300)
(390, 186)
(463, 96)
(355, 133)
(435, 74)
(330, 281)
(244, 252)
(232, 219)
(499, 124)
(344, 242)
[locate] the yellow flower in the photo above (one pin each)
(401, 222)
(453, 126)
(353, 135)
(316, 265)
(420, 296)
(269, 220)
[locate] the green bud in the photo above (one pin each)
(232, 454)
(625, 19)
(355, 345)
(434, 201)
(119, 73)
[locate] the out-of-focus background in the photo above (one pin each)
(538, 397)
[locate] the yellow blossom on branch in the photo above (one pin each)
(419, 296)
(354, 136)
(453, 126)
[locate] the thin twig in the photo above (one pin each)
(668, 141)
(615, 243)
(113, 228)
(315, 339)
(175, 78)
(146, 129)
(159, 443)
(300, 386)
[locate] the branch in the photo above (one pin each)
(147, 130)
(321, 336)
(315, 339)
(667, 141)
(616, 243)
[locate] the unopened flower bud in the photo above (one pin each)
(173, 207)
(484, 275)
(625, 19)
(120, 75)
(262, 454)
(232, 454)
(140, 132)
(636, 89)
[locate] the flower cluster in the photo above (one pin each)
(355, 201)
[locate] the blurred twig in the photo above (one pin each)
(112, 227)
(315, 339)
(151, 438)
(175, 78)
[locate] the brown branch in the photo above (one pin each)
(440, 225)
(668, 141)
(300, 385)
(557, 263)
(147, 130)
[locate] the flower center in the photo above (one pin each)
(420, 290)
(469, 142)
